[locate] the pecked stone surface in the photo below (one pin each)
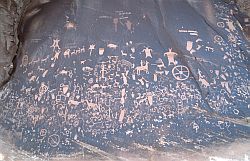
(123, 76)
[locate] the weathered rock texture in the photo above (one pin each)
(244, 6)
(10, 11)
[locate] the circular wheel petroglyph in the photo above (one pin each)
(180, 72)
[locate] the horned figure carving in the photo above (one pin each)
(142, 68)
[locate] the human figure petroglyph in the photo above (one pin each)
(160, 64)
(91, 48)
(125, 78)
(148, 52)
(55, 44)
(141, 68)
(201, 79)
(56, 55)
(171, 55)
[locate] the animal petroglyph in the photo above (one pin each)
(201, 78)
(141, 68)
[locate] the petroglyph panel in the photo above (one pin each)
(110, 77)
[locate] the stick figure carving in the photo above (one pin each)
(55, 44)
(56, 56)
(171, 56)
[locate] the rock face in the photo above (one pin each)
(124, 75)
(10, 14)
(244, 6)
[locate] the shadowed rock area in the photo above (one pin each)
(105, 79)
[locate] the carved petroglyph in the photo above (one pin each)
(66, 53)
(180, 72)
(56, 55)
(124, 88)
(148, 52)
(202, 80)
(141, 68)
(91, 48)
(101, 51)
(112, 46)
(55, 44)
(171, 57)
